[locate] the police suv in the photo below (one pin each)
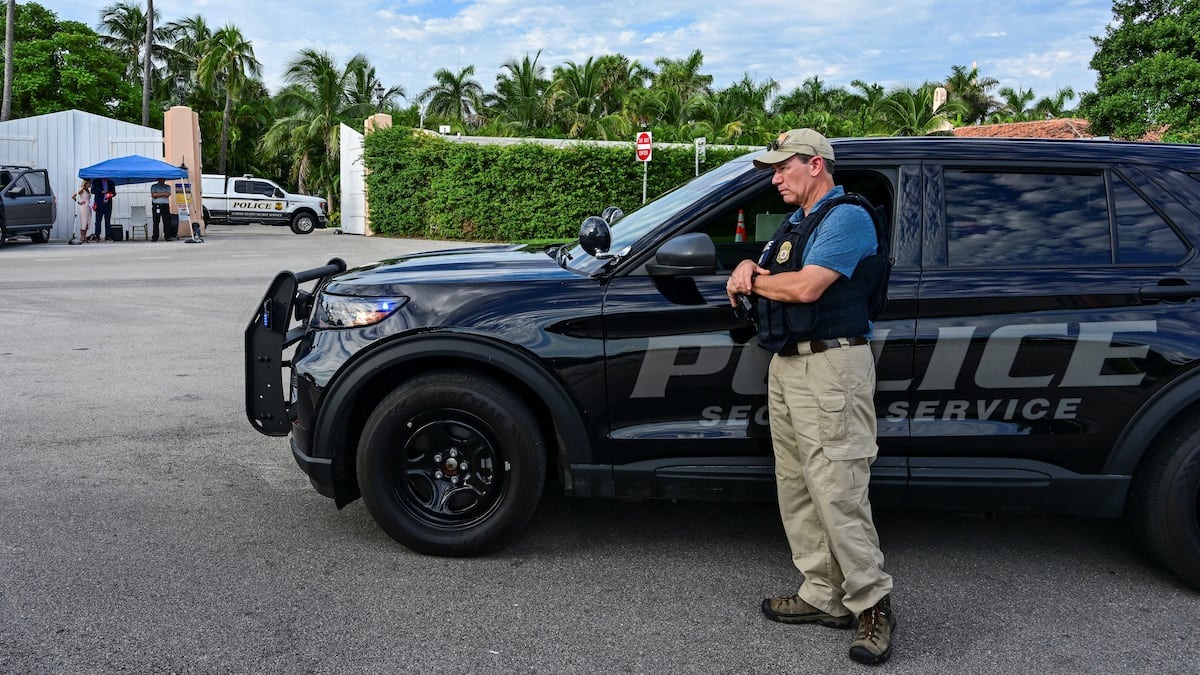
(1039, 351)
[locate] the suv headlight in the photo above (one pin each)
(347, 311)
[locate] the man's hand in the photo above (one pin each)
(741, 282)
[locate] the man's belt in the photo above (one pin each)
(818, 346)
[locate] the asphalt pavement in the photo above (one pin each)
(145, 527)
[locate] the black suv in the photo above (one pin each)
(27, 203)
(1038, 352)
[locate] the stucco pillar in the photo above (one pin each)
(376, 121)
(181, 146)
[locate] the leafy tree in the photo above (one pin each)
(456, 95)
(10, 20)
(228, 61)
(1148, 65)
(60, 65)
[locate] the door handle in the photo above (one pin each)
(1169, 289)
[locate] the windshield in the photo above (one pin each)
(634, 226)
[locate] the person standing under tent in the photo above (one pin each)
(83, 206)
(103, 191)
(160, 204)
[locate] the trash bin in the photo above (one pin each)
(171, 227)
(116, 232)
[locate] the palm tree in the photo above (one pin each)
(971, 90)
(1014, 105)
(911, 113)
(318, 98)
(869, 102)
(524, 98)
(9, 38)
(725, 117)
(123, 28)
(618, 77)
(1051, 107)
(752, 95)
(187, 37)
(366, 88)
(228, 59)
(454, 95)
(582, 89)
(811, 94)
(683, 75)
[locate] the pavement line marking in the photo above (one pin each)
(156, 257)
(52, 259)
(248, 255)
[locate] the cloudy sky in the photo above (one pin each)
(1035, 44)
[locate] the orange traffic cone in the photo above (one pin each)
(740, 233)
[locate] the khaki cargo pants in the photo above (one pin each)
(823, 431)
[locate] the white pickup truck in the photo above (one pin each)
(246, 199)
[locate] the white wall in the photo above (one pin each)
(65, 142)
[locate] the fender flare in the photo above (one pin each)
(1155, 414)
(514, 362)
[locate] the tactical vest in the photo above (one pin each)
(845, 309)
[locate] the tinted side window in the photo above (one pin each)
(1009, 219)
(264, 189)
(38, 185)
(1143, 237)
(20, 187)
(242, 186)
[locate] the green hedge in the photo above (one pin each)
(422, 186)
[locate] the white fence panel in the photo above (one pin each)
(354, 183)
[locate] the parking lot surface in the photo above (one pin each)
(146, 527)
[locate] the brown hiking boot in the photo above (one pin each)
(792, 609)
(872, 643)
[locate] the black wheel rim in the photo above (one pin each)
(449, 472)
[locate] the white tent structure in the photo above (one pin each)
(65, 142)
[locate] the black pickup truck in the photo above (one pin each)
(1040, 351)
(27, 204)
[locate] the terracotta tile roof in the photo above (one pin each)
(1056, 128)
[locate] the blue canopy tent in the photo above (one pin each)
(132, 169)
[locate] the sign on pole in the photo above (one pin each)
(645, 146)
(701, 151)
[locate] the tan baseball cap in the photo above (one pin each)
(795, 142)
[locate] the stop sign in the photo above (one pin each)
(645, 147)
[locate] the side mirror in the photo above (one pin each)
(594, 236)
(612, 214)
(278, 194)
(687, 255)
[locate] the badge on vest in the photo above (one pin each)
(785, 252)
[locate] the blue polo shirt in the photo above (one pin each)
(844, 238)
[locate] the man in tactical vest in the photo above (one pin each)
(812, 298)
